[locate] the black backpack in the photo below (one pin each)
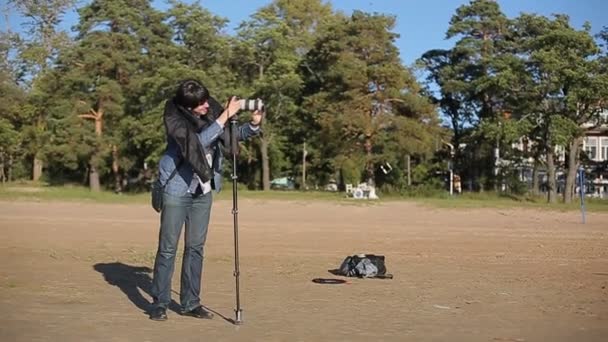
(363, 266)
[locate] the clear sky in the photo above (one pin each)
(421, 24)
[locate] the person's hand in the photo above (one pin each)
(256, 117)
(233, 106)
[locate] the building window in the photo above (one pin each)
(591, 148)
(604, 149)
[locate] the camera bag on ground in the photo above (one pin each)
(363, 266)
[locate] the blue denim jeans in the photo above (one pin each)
(194, 211)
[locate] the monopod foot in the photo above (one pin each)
(238, 320)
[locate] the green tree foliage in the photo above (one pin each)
(119, 44)
(366, 103)
(12, 102)
(11, 107)
(530, 79)
(38, 48)
(560, 87)
(271, 46)
(89, 108)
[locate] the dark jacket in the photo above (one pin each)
(182, 127)
(213, 139)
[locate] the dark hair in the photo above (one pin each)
(191, 93)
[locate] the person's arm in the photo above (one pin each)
(232, 107)
(208, 135)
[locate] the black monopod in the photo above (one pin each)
(246, 105)
(235, 213)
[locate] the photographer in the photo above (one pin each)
(190, 168)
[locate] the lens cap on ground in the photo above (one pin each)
(331, 281)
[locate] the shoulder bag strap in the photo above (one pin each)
(179, 164)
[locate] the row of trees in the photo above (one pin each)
(528, 78)
(88, 107)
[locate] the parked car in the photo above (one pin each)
(283, 183)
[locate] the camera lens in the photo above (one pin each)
(252, 105)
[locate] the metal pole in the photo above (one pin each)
(409, 173)
(235, 212)
(304, 153)
(451, 166)
(581, 180)
(451, 182)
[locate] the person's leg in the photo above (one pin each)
(172, 218)
(192, 266)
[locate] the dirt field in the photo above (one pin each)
(81, 272)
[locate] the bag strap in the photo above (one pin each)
(179, 164)
(384, 276)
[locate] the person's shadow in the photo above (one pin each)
(131, 279)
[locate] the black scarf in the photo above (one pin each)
(182, 126)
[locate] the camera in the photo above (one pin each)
(252, 105)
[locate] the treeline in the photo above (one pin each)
(87, 107)
(531, 80)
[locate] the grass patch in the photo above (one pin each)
(9, 285)
(28, 191)
(493, 200)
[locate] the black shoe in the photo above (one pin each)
(198, 312)
(158, 314)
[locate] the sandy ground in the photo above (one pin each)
(81, 272)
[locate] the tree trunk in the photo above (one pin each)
(2, 174)
(551, 182)
(265, 163)
(476, 166)
(10, 167)
(369, 165)
(408, 162)
(37, 168)
(573, 159)
(85, 178)
(94, 184)
(94, 179)
(251, 172)
(115, 170)
(304, 153)
(535, 183)
(264, 143)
